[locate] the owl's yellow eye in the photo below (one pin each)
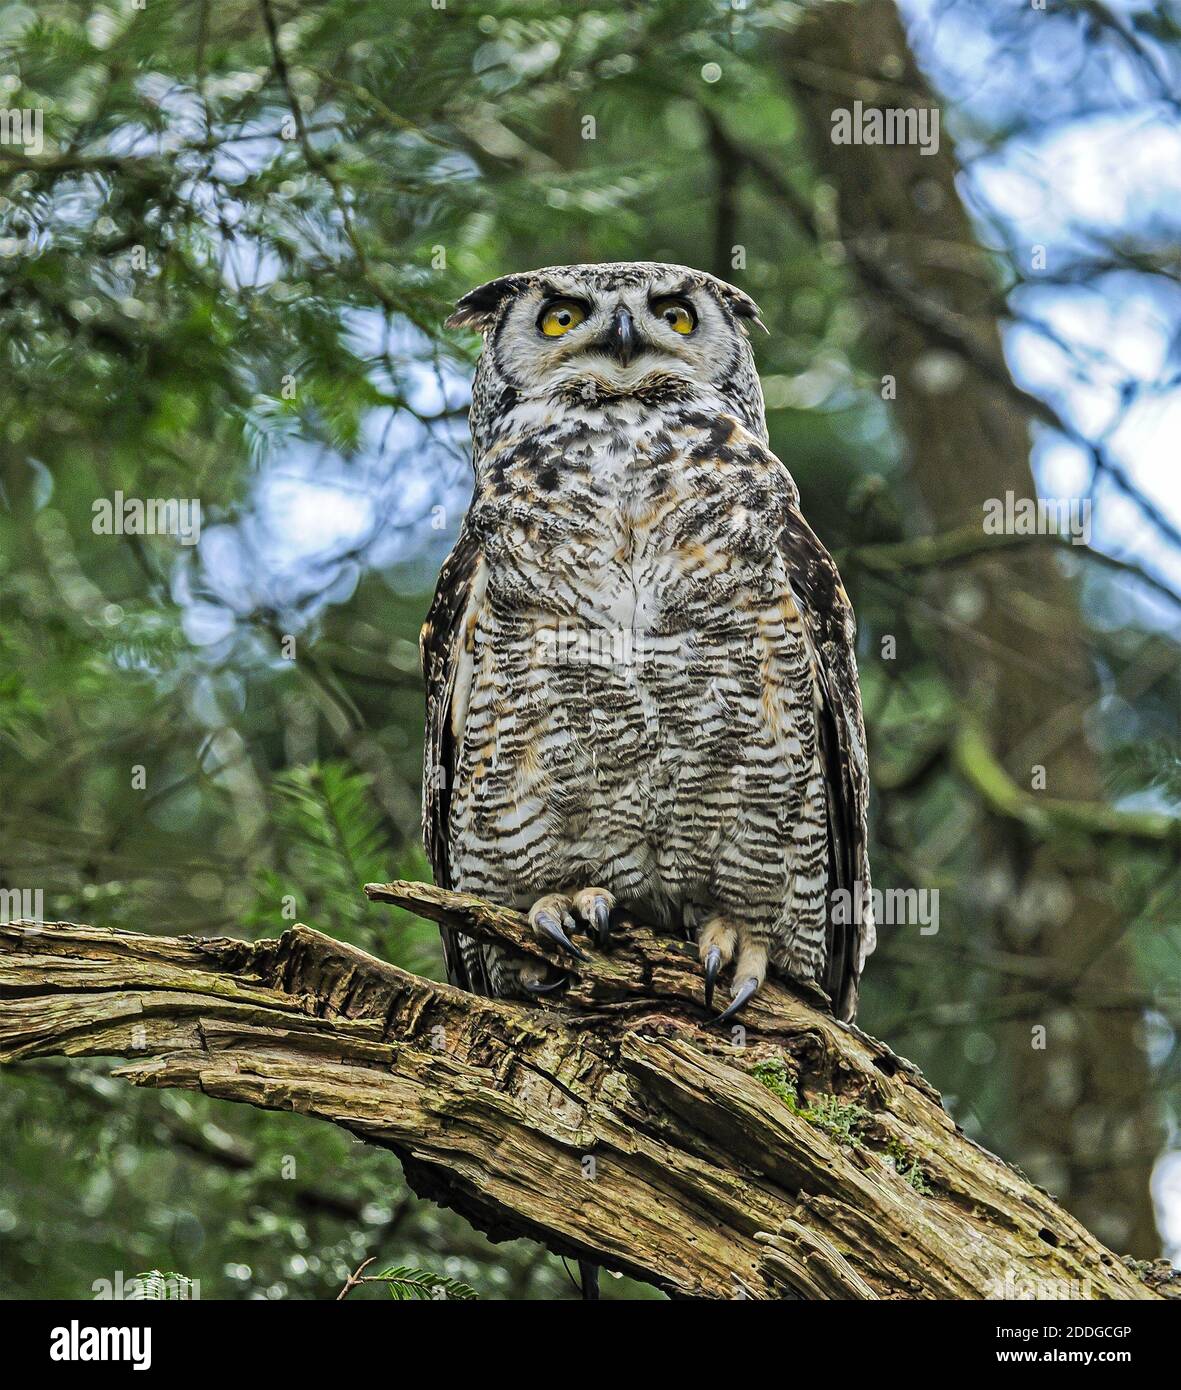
(560, 317)
(676, 313)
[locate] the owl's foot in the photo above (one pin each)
(544, 986)
(594, 906)
(554, 917)
(742, 993)
(716, 944)
(550, 919)
(716, 941)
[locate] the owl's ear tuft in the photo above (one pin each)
(740, 304)
(479, 307)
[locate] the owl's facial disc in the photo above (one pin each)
(619, 340)
(577, 329)
(624, 339)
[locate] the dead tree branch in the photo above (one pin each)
(794, 1157)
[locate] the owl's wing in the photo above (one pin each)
(446, 645)
(832, 633)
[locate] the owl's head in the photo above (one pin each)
(618, 329)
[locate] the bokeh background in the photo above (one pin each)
(223, 276)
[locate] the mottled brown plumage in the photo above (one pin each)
(640, 660)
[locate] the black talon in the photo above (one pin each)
(536, 987)
(602, 916)
(550, 926)
(713, 963)
(749, 987)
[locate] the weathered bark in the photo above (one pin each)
(1083, 1118)
(613, 1124)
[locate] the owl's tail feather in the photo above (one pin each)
(589, 1274)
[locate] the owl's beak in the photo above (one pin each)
(620, 341)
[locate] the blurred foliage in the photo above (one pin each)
(223, 278)
(406, 1285)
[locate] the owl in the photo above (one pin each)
(642, 694)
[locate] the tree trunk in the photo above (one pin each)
(1083, 1119)
(792, 1157)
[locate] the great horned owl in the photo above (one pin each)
(639, 661)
